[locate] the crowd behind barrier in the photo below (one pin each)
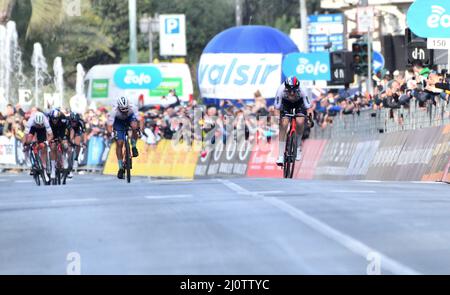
(346, 120)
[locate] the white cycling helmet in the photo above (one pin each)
(122, 104)
(39, 119)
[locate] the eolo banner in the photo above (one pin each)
(430, 18)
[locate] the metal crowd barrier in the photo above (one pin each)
(386, 120)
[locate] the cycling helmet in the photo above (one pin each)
(39, 119)
(122, 104)
(55, 114)
(292, 83)
(74, 116)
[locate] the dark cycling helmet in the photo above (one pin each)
(292, 83)
(55, 114)
(74, 116)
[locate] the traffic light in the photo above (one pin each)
(360, 58)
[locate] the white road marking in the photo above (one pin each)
(24, 181)
(369, 181)
(167, 197)
(348, 242)
(73, 200)
(353, 192)
(234, 187)
(427, 182)
(269, 192)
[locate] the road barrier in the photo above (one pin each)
(409, 155)
(166, 159)
(92, 156)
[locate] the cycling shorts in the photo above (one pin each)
(41, 133)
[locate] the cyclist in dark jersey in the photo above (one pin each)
(60, 127)
(77, 129)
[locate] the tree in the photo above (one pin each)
(76, 38)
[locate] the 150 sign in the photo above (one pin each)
(438, 43)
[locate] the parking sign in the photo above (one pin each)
(172, 38)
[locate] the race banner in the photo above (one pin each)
(440, 158)
(311, 152)
(383, 166)
(167, 159)
(359, 163)
(336, 159)
(417, 154)
(96, 145)
(8, 150)
(262, 160)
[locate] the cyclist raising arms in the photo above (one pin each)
(60, 127)
(289, 97)
(77, 129)
(123, 115)
(39, 127)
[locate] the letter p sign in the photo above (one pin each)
(172, 26)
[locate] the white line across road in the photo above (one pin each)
(167, 197)
(353, 192)
(24, 181)
(74, 201)
(348, 242)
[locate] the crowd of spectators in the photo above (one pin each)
(419, 85)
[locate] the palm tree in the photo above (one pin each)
(45, 13)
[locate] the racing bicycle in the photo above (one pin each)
(37, 169)
(290, 151)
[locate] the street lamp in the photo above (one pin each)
(150, 25)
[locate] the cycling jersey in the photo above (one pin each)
(60, 129)
(78, 126)
(32, 123)
(39, 131)
(121, 121)
(300, 102)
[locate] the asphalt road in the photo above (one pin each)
(223, 226)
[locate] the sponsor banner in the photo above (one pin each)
(167, 159)
(237, 75)
(383, 165)
(364, 153)
(335, 159)
(7, 150)
(234, 159)
(137, 77)
(416, 154)
(311, 152)
(201, 169)
(262, 160)
(440, 157)
(166, 85)
(96, 145)
(308, 66)
(429, 19)
(100, 88)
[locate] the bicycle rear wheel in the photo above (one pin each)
(128, 160)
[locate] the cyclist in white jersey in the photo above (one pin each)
(123, 116)
(289, 97)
